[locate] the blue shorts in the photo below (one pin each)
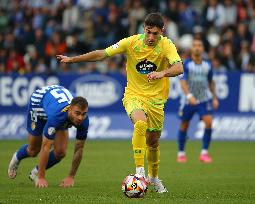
(186, 113)
(35, 122)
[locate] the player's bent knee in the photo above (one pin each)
(140, 126)
(208, 124)
(184, 125)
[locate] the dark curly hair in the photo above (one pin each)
(154, 20)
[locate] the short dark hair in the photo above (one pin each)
(154, 20)
(79, 101)
(197, 38)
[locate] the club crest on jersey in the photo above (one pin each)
(33, 125)
(51, 130)
(65, 108)
(145, 67)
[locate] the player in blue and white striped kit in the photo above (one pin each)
(51, 111)
(198, 97)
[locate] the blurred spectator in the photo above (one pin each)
(251, 65)
(32, 32)
(253, 44)
(30, 58)
(215, 16)
(2, 68)
(171, 30)
(1, 41)
(40, 41)
(112, 66)
(28, 36)
(3, 20)
(15, 63)
(3, 57)
(244, 56)
(55, 46)
(87, 4)
(70, 17)
(217, 66)
(212, 53)
(242, 14)
(230, 11)
(136, 16)
(227, 57)
(242, 34)
(75, 46)
(187, 18)
(41, 66)
(252, 21)
(172, 11)
(39, 18)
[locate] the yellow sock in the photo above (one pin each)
(139, 142)
(153, 155)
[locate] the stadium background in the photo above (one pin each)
(33, 32)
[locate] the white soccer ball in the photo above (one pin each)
(134, 186)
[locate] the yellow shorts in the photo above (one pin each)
(154, 110)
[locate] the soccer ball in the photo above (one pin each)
(134, 186)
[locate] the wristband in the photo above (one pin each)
(189, 95)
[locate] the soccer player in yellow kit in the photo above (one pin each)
(151, 59)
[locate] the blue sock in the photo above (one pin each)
(22, 152)
(52, 160)
(181, 140)
(207, 138)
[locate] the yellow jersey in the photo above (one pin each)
(143, 59)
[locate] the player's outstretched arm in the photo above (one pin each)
(77, 157)
(96, 55)
(43, 160)
(175, 70)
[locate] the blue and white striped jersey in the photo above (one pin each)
(49, 100)
(51, 103)
(197, 77)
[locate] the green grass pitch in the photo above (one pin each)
(229, 179)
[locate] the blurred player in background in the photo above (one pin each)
(151, 59)
(198, 97)
(51, 111)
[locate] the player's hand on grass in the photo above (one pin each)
(67, 182)
(64, 59)
(41, 183)
(155, 75)
(215, 103)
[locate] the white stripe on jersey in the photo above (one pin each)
(37, 95)
(40, 114)
(38, 109)
(35, 100)
(42, 91)
(198, 80)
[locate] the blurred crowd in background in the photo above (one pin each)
(32, 32)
